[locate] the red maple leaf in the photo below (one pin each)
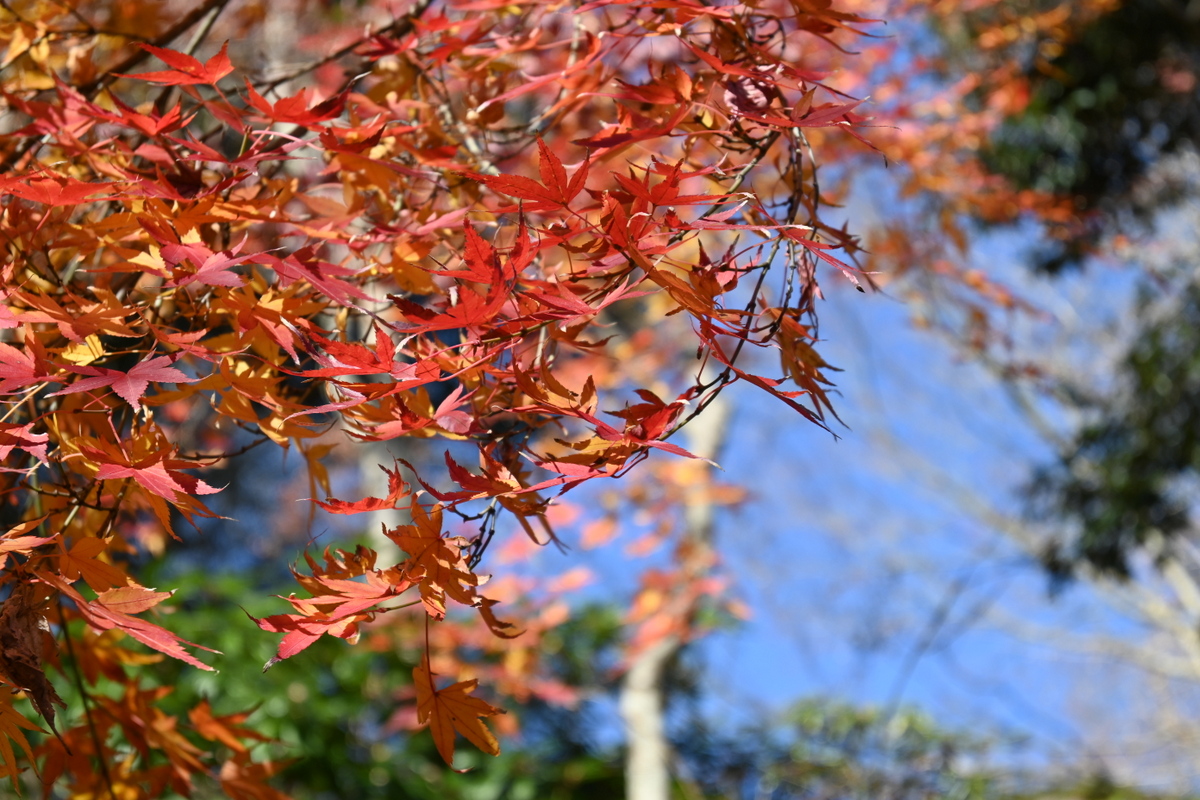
(20, 368)
(325, 277)
(161, 477)
(57, 190)
(149, 124)
(295, 110)
(555, 191)
(210, 267)
(104, 618)
(186, 70)
(397, 490)
(21, 437)
(337, 610)
(129, 385)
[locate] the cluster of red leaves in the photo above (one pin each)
(488, 196)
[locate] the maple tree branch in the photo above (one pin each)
(262, 438)
(487, 531)
(77, 503)
(74, 12)
(725, 377)
(114, 510)
(933, 627)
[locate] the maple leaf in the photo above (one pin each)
(159, 476)
(349, 358)
(15, 540)
(274, 313)
(397, 490)
(242, 779)
(555, 191)
(299, 631)
(21, 628)
(452, 710)
(81, 562)
(708, 335)
(129, 385)
(327, 278)
(314, 621)
(186, 70)
(260, 151)
(21, 367)
(295, 109)
(10, 318)
(819, 249)
(450, 419)
(569, 475)
(339, 602)
(152, 124)
(137, 710)
(227, 729)
(103, 618)
(476, 486)
(57, 190)
(555, 177)
(12, 727)
(21, 437)
(131, 599)
(80, 318)
(826, 115)
(437, 559)
(634, 128)
(210, 267)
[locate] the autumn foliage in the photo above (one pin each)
(457, 224)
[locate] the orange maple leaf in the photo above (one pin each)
(453, 709)
(437, 559)
(11, 723)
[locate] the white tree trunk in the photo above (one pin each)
(642, 706)
(647, 760)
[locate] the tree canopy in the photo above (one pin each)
(549, 232)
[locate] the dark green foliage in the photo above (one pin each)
(1121, 95)
(1109, 104)
(1126, 478)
